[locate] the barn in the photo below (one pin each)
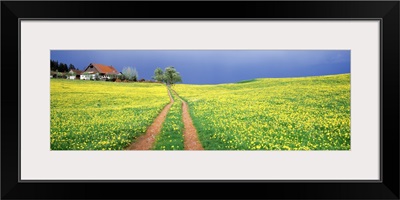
(99, 71)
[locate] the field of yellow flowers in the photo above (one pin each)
(94, 115)
(310, 113)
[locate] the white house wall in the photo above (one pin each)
(87, 76)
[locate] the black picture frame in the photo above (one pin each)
(386, 11)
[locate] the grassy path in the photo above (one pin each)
(191, 140)
(145, 142)
(171, 134)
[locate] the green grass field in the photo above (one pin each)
(311, 113)
(95, 115)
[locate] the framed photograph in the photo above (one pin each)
(293, 96)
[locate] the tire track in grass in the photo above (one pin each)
(171, 134)
(190, 138)
(145, 142)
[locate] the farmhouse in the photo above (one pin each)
(99, 71)
(74, 74)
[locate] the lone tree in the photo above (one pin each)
(158, 75)
(130, 73)
(171, 76)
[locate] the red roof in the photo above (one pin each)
(104, 68)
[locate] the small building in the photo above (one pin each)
(99, 71)
(74, 74)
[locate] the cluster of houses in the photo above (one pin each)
(92, 72)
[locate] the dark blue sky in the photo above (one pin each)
(216, 66)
